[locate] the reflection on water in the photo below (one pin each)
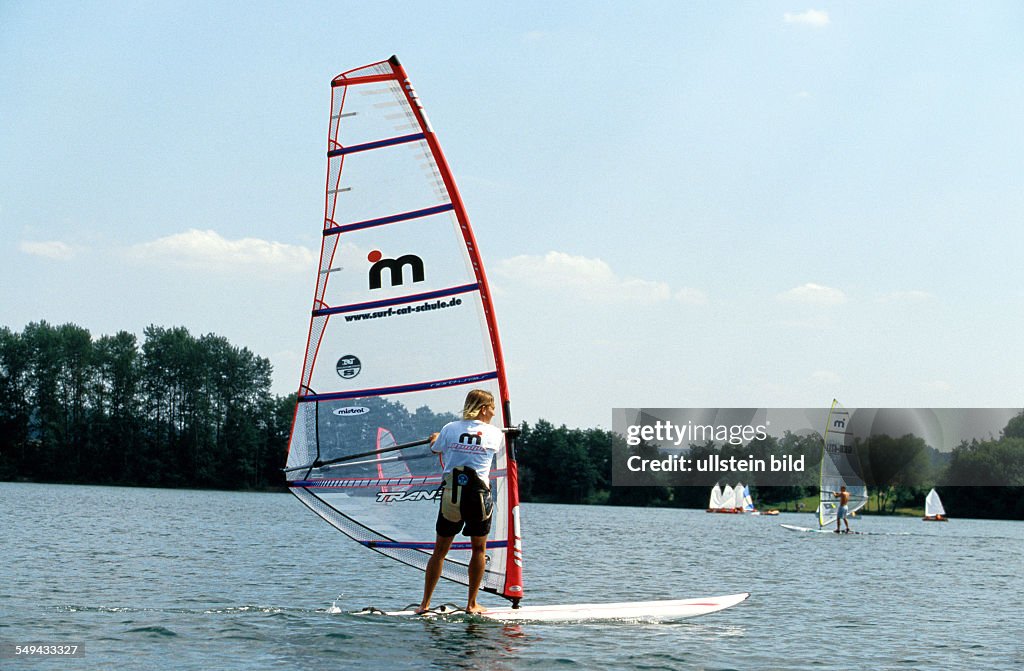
(477, 645)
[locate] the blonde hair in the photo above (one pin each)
(476, 400)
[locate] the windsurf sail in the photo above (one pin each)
(933, 506)
(839, 466)
(402, 328)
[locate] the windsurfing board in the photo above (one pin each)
(588, 612)
(793, 527)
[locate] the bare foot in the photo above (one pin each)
(475, 608)
(423, 610)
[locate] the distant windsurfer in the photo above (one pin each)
(843, 510)
(466, 448)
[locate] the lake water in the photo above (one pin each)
(182, 580)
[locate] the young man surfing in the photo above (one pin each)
(843, 509)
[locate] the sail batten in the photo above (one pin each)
(402, 300)
(402, 326)
(400, 389)
(335, 229)
(388, 142)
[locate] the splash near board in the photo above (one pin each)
(402, 327)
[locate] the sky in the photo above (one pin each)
(700, 204)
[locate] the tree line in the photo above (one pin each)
(977, 479)
(177, 410)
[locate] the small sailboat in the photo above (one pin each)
(933, 510)
(747, 501)
(715, 500)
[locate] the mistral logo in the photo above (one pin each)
(395, 269)
(470, 439)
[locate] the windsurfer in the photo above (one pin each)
(466, 448)
(843, 511)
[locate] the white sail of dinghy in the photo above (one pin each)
(840, 467)
(748, 501)
(715, 500)
(728, 499)
(933, 510)
(739, 503)
(402, 328)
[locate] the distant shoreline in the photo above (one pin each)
(784, 506)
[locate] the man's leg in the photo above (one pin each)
(434, 566)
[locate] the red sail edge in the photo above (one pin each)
(514, 570)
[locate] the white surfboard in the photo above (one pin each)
(830, 530)
(822, 530)
(579, 612)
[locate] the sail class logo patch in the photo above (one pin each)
(348, 366)
(396, 269)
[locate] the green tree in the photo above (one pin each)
(894, 467)
(115, 408)
(14, 404)
(557, 463)
(1015, 427)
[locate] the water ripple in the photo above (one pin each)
(189, 581)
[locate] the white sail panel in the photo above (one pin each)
(402, 328)
(715, 500)
(748, 501)
(728, 497)
(933, 505)
(738, 493)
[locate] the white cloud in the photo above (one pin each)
(211, 251)
(812, 17)
(827, 376)
(691, 296)
(912, 296)
(590, 279)
(936, 386)
(813, 294)
(52, 249)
